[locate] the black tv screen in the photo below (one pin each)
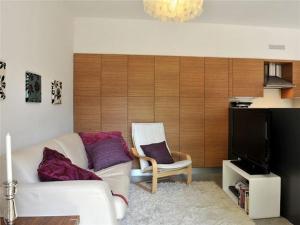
(250, 136)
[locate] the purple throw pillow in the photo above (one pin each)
(89, 140)
(56, 167)
(107, 153)
(159, 152)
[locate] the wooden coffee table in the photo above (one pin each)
(49, 220)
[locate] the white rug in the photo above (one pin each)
(201, 203)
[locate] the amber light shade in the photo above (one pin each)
(173, 10)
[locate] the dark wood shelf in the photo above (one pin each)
(49, 220)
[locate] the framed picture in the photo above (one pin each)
(56, 92)
(33, 87)
(2, 80)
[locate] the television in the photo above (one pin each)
(250, 139)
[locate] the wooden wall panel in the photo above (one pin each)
(140, 76)
(112, 91)
(230, 78)
(114, 114)
(216, 131)
(247, 78)
(87, 113)
(191, 77)
(114, 76)
(216, 77)
(167, 111)
(166, 76)
(192, 129)
(87, 74)
(140, 110)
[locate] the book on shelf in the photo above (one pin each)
(247, 201)
(242, 187)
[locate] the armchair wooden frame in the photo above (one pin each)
(156, 174)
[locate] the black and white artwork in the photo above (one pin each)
(2, 80)
(33, 87)
(56, 92)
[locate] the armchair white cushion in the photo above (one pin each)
(145, 134)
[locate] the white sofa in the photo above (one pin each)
(91, 200)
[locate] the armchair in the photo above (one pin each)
(148, 133)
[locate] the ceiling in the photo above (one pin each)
(274, 13)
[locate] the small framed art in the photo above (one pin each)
(33, 87)
(56, 92)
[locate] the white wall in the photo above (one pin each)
(272, 99)
(37, 36)
(1, 58)
(98, 35)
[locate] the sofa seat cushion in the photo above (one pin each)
(117, 170)
(119, 186)
(26, 161)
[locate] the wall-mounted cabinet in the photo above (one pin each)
(216, 131)
(114, 75)
(167, 76)
(292, 74)
(192, 77)
(216, 77)
(87, 92)
(247, 77)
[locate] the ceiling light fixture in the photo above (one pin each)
(173, 10)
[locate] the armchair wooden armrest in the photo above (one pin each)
(154, 168)
(153, 161)
(181, 155)
(156, 174)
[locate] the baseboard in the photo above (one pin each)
(139, 173)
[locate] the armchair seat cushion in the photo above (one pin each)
(172, 166)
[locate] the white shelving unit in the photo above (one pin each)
(264, 190)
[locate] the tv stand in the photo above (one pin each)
(249, 168)
(264, 190)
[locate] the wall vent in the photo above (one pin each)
(277, 47)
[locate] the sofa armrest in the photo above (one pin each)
(91, 200)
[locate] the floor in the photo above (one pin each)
(216, 176)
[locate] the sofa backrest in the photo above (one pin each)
(74, 149)
(25, 161)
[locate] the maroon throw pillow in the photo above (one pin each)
(89, 139)
(159, 152)
(107, 153)
(56, 167)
